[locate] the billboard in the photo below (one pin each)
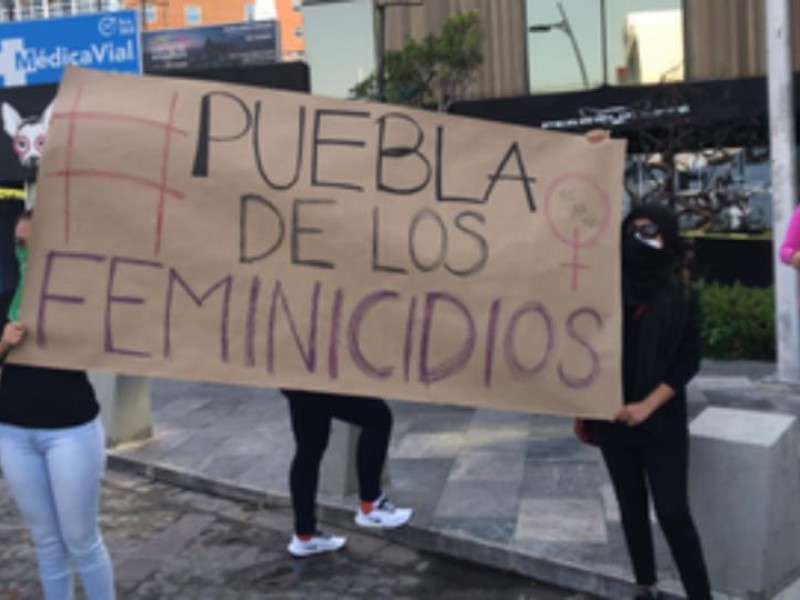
(214, 47)
(37, 52)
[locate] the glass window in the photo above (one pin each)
(58, 8)
(297, 5)
(193, 14)
(36, 9)
(298, 32)
(85, 6)
(150, 15)
(249, 12)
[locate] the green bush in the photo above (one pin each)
(738, 321)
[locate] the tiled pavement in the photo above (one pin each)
(511, 490)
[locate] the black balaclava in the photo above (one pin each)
(647, 270)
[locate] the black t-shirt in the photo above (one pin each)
(45, 398)
(41, 397)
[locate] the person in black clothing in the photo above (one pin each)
(647, 445)
(52, 452)
(311, 415)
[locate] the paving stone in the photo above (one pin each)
(560, 450)
(478, 500)
(561, 520)
(488, 466)
(507, 439)
(493, 530)
(429, 445)
(563, 480)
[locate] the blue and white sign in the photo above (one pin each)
(34, 52)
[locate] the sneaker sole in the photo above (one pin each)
(314, 552)
(373, 525)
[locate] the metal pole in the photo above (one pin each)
(604, 38)
(568, 30)
(784, 184)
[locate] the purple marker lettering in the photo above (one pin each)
(354, 334)
(309, 356)
(519, 370)
(576, 382)
(250, 327)
(336, 320)
(226, 283)
(45, 296)
(430, 374)
(491, 336)
(131, 300)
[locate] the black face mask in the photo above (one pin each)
(638, 253)
(661, 222)
(645, 270)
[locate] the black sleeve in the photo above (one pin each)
(690, 349)
(5, 302)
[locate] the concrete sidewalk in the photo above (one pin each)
(508, 490)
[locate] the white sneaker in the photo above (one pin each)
(384, 515)
(318, 544)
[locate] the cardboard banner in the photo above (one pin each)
(214, 232)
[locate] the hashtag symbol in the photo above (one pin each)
(159, 184)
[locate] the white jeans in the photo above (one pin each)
(55, 477)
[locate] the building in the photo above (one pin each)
(505, 68)
(176, 14)
(726, 39)
(654, 46)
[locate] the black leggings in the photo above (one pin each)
(311, 414)
(664, 465)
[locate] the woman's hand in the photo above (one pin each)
(13, 334)
(595, 136)
(635, 413)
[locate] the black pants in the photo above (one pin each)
(664, 465)
(311, 414)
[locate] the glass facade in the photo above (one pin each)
(18, 10)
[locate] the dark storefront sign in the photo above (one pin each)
(730, 112)
(248, 44)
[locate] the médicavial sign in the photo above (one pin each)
(35, 52)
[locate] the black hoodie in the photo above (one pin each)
(661, 330)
